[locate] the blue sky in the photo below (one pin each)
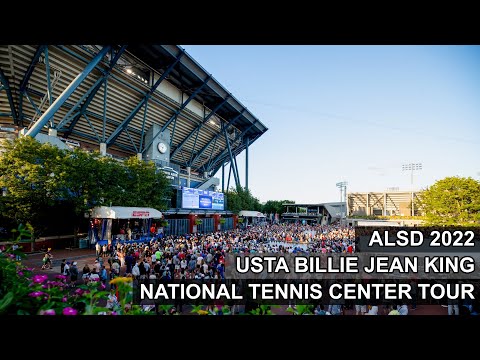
(352, 113)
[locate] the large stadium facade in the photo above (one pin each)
(151, 101)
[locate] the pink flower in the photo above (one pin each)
(38, 279)
(102, 287)
(64, 299)
(44, 286)
(36, 294)
(29, 269)
(20, 273)
(78, 292)
(61, 277)
(114, 313)
(47, 312)
(11, 256)
(69, 311)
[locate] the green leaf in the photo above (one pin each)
(6, 301)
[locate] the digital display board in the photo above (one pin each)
(202, 199)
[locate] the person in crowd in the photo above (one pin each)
(62, 266)
(103, 275)
(94, 275)
(73, 274)
(86, 273)
(66, 269)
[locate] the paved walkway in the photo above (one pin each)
(87, 256)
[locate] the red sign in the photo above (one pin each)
(141, 214)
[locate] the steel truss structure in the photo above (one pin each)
(112, 94)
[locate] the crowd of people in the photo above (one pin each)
(202, 257)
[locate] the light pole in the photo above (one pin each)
(412, 167)
(343, 195)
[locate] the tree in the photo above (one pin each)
(242, 199)
(29, 171)
(451, 201)
(275, 206)
(41, 179)
(145, 185)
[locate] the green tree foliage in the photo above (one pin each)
(452, 201)
(145, 186)
(39, 176)
(242, 199)
(29, 170)
(275, 206)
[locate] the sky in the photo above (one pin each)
(352, 113)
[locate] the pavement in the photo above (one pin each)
(87, 256)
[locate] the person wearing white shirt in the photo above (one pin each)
(94, 276)
(183, 264)
(402, 309)
(136, 270)
(373, 310)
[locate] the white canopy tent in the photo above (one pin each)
(122, 212)
(248, 213)
(252, 217)
(110, 213)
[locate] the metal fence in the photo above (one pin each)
(177, 227)
(206, 226)
(228, 225)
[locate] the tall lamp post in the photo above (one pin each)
(343, 196)
(412, 167)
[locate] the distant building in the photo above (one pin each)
(387, 203)
(323, 213)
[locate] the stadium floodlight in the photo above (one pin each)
(343, 195)
(412, 167)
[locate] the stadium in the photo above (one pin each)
(151, 101)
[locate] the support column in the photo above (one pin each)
(246, 163)
(103, 149)
(216, 222)
(368, 204)
(229, 173)
(384, 204)
(189, 170)
(235, 169)
(413, 206)
(223, 178)
(235, 221)
(192, 227)
(139, 156)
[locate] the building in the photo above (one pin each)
(324, 213)
(151, 101)
(388, 203)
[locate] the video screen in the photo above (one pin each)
(202, 199)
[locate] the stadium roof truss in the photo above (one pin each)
(112, 94)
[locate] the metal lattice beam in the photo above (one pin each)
(224, 153)
(232, 159)
(220, 159)
(174, 116)
(26, 79)
(6, 87)
(198, 128)
(92, 92)
(230, 123)
(116, 133)
(47, 115)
